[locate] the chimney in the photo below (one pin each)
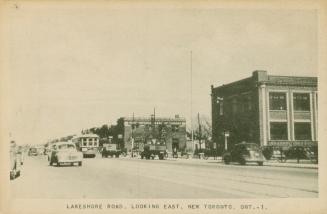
(260, 75)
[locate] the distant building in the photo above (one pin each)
(266, 109)
(170, 130)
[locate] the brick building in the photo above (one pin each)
(170, 130)
(266, 109)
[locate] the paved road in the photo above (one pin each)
(136, 178)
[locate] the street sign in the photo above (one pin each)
(226, 133)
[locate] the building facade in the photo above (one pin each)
(266, 109)
(134, 131)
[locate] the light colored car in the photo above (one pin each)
(65, 153)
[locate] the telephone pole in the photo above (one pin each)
(133, 126)
(191, 80)
(200, 131)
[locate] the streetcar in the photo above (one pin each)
(88, 144)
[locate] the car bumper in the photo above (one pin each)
(89, 152)
(254, 160)
(69, 161)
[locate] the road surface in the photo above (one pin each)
(136, 178)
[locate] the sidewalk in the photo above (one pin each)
(272, 163)
(292, 163)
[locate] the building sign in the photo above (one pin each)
(226, 133)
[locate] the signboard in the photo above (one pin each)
(110, 147)
(226, 133)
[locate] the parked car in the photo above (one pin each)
(244, 153)
(65, 153)
(15, 161)
(32, 151)
(300, 152)
(110, 150)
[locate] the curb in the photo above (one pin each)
(269, 164)
(292, 166)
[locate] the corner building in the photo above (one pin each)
(266, 109)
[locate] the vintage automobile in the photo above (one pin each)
(32, 151)
(300, 152)
(15, 161)
(153, 148)
(65, 153)
(244, 153)
(111, 150)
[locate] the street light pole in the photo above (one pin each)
(133, 135)
(191, 80)
(200, 134)
(226, 134)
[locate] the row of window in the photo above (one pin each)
(279, 131)
(241, 104)
(174, 127)
(90, 143)
(89, 139)
(277, 101)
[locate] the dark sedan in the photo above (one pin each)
(244, 153)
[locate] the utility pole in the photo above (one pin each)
(154, 123)
(133, 135)
(154, 119)
(200, 131)
(191, 80)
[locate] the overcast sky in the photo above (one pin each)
(73, 69)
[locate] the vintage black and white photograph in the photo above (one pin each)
(131, 101)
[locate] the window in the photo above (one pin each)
(248, 103)
(90, 143)
(277, 101)
(221, 108)
(66, 146)
(84, 143)
(221, 105)
(278, 131)
(301, 101)
(302, 131)
(174, 128)
(234, 106)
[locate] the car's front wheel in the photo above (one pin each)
(80, 163)
(227, 159)
(242, 161)
(12, 174)
(260, 163)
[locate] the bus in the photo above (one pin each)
(88, 144)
